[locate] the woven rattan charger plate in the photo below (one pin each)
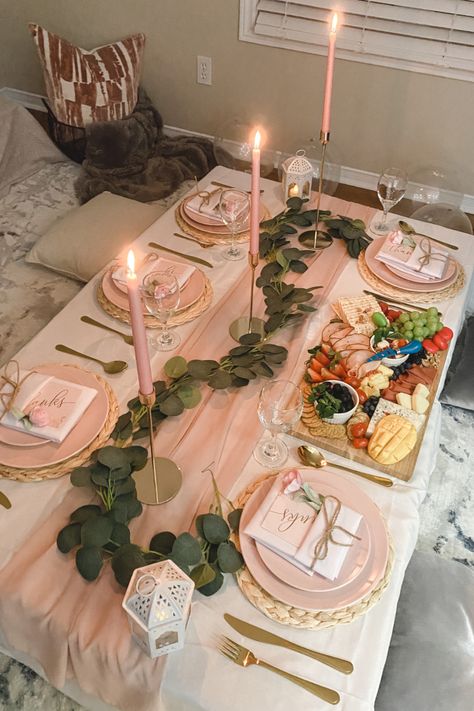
(207, 238)
(67, 465)
(178, 319)
(413, 297)
(293, 616)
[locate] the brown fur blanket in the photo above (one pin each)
(132, 157)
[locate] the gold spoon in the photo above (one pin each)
(111, 367)
(93, 322)
(409, 230)
(313, 457)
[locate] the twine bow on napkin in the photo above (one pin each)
(7, 399)
(322, 546)
(428, 256)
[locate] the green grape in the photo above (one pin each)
(422, 320)
(410, 325)
(426, 332)
(418, 331)
(414, 315)
(439, 326)
(403, 318)
(408, 334)
(432, 322)
(433, 311)
(432, 331)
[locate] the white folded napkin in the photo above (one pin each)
(64, 402)
(182, 272)
(292, 528)
(206, 203)
(413, 255)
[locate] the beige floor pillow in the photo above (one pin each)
(82, 242)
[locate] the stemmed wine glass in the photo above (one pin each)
(279, 408)
(234, 208)
(391, 187)
(161, 296)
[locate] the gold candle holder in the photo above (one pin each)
(324, 140)
(248, 324)
(160, 479)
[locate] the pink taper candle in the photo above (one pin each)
(326, 121)
(255, 197)
(145, 381)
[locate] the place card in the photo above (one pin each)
(289, 520)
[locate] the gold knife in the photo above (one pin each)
(231, 187)
(180, 254)
(261, 635)
(389, 300)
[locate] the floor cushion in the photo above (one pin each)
(82, 242)
(430, 664)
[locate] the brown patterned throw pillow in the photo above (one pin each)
(84, 87)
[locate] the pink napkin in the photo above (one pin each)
(292, 528)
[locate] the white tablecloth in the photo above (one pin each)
(199, 677)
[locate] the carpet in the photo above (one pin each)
(446, 517)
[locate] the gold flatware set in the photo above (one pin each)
(242, 656)
(111, 367)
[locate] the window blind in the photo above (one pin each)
(433, 36)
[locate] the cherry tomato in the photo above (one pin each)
(338, 369)
(439, 341)
(360, 442)
(327, 375)
(352, 380)
(314, 376)
(392, 314)
(383, 306)
(326, 348)
(315, 365)
(358, 430)
(445, 333)
(362, 396)
(322, 357)
(429, 346)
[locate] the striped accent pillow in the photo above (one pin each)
(84, 87)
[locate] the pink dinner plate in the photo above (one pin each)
(338, 596)
(355, 560)
(383, 273)
(80, 436)
(16, 438)
(152, 257)
(188, 296)
(213, 229)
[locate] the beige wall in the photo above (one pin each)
(380, 116)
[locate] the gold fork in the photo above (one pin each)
(244, 658)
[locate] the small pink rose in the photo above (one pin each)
(292, 481)
(39, 416)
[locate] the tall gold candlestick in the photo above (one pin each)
(248, 324)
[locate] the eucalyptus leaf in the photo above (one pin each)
(229, 558)
(81, 476)
(69, 537)
(239, 382)
(202, 575)
(298, 266)
(96, 531)
(100, 474)
(112, 457)
(282, 260)
(120, 473)
(175, 367)
(263, 369)
(240, 350)
(198, 524)
(187, 549)
(245, 373)
(89, 562)
(125, 561)
(162, 542)
(306, 308)
(273, 323)
(137, 456)
(300, 295)
(250, 339)
(84, 512)
(214, 585)
(134, 509)
(273, 348)
(120, 534)
(220, 380)
(215, 529)
(119, 511)
(294, 203)
(172, 406)
(189, 395)
(126, 486)
(287, 229)
(202, 369)
(234, 519)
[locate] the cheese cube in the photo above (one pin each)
(420, 404)
(404, 400)
(421, 390)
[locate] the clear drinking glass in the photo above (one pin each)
(279, 408)
(391, 187)
(234, 208)
(161, 296)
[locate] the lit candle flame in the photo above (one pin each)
(334, 23)
(256, 143)
(131, 263)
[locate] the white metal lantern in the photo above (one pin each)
(158, 603)
(297, 174)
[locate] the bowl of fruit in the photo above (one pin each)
(334, 401)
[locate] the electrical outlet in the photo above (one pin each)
(204, 70)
